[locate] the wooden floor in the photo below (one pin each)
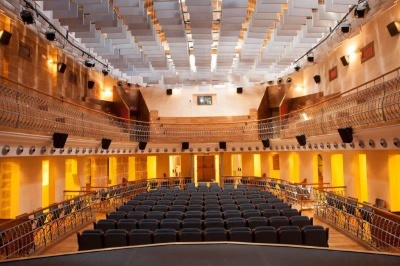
(337, 240)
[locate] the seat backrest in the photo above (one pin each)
(117, 215)
(224, 201)
(212, 207)
(165, 235)
(235, 222)
(171, 224)
(178, 207)
(270, 213)
(137, 215)
(155, 215)
(263, 206)
(161, 208)
(240, 234)
(251, 213)
(255, 222)
(140, 237)
(127, 224)
(278, 221)
(164, 203)
(300, 221)
(290, 235)
(194, 207)
(231, 213)
(143, 208)
(212, 214)
(126, 208)
(105, 224)
(265, 234)
(273, 200)
(116, 238)
(194, 214)
(190, 235)
(315, 235)
(151, 224)
(90, 239)
(226, 207)
(281, 205)
(290, 213)
(213, 222)
(192, 223)
(256, 201)
(174, 215)
(215, 234)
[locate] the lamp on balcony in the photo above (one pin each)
(301, 139)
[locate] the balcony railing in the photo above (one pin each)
(372, 104)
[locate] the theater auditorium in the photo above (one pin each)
(199, 132)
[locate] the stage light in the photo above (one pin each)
(27, 17)
(105, 71)
(50, 34)
(297, 68)
(310, 57)
(89, 63)
(345, 28)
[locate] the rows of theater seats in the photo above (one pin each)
(245, 215)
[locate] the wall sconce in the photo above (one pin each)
(345, 28)
(345, 60)
(310, 57)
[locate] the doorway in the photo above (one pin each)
(237, 165)
(320, 170)
(206, 168)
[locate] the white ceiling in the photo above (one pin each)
(170, 43)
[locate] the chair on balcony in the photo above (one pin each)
(90, 239)
(116, 238)
(289, 235)
(171, 224)
(240, 234)
(190, 235)
(140, 237)
(215, 234)
(315, 235)
(105, 224)
(235, 222)
(165, 235)
(127, 224)
(265, 234)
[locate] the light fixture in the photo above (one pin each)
(105, 71)
(270, 82)
(61, 67)
(119, 83)
(50, 34)
(297, 68)
(345, 28)
(279, 80)
(345, 60)
(361, 10)
(27, 17)
(310, 57)
(89, 63)
(289, 80)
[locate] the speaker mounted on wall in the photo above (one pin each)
(317, 79)
(5, 37)
(142, 145)
(185, 145)
(59, 140)
(105, 144)
(266, 143)
(394, 28)
(90, 84)
(222, 145)
(169, 91)
(301, 139)
(239, 89)
(346, 134)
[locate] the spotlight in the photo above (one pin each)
(61, 67)
(119, 83)
(345, 28)
(89, 63)
(50, 34)
(105, 71)
(360, 11)
(270, 82)
(129, 84)
(288, 80)
(297, 68)
(27, 16)
(279, 81)
(310, 57)
(345, 60)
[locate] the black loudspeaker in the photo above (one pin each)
(59, 140)
(169, 91)
(345, 60)
(239, 90)
(265, 143)
(301, 139)
(185, 145)
(393, 28)
(317, 79)
(346, 134)
(61, 67)
(105, 144)
(5, 37)
(222, 145)
(90, 84)
(142, 145)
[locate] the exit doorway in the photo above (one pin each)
(205, 168)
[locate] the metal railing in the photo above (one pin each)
(371, 104)
(375, 227)
(249, 181)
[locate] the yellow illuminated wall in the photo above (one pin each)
(294, 167)
(217, 173)
(71, 175)
(394, 183)
(337, 170)
(257, 164)
(316, 168)
(236, 165)
(151, 167)
(45, 183)
(112, 171)
(9, 193)
(131, 169)
(363, 178)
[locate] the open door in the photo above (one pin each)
(206, 168)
